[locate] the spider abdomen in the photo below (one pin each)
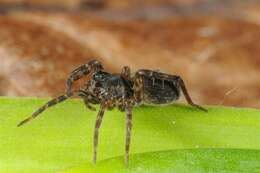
(158, 91)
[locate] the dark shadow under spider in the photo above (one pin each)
(124, 91)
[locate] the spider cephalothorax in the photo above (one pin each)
(123, 91)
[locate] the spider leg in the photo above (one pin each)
(52, 103)
(82, 70)
(126, 72)
(96, 132)
(175, 79)
(187, 96)
(88, 105)
(128, 133)
(138, 88)
(88, 98)
(45, 106)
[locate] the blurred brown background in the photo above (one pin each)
(213, 44)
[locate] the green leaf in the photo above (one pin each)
(62, 136)
(181, 161)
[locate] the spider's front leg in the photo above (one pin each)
(85, 69)
(128, 132)
(89, 98)
(53, 102)
(96, 131)
(87, 104)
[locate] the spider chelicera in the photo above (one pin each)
(124, 91)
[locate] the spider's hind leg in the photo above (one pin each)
(187, 96)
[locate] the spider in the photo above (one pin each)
(124, 91)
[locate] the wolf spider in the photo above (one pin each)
(124, 91)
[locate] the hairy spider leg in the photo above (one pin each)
(87, 97)
(86, 102)
(187, 96)
(83, 70)
(128, 133)
(175, 79)
(96, 131)
(126, 73)
(52, 103)
(138, 88)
